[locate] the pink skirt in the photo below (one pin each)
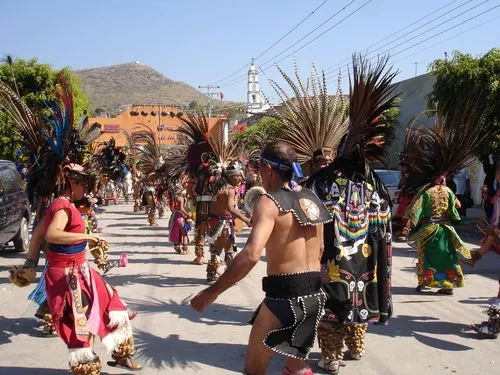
(176, 227)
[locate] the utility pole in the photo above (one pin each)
(210, 94)
(416, 64)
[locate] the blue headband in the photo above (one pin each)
(295, 167)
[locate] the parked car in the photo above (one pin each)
(14, 208)
(390, 178)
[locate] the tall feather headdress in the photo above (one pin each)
(313, 120)
(48, 140)
(194, 133)
(440, 151)
(370, 97)
(207, 145)
(150, 158)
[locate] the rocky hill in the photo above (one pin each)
(114, 86)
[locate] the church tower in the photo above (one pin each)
(254, 97)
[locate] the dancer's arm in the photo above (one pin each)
(35, 244)
(235, 213)
(265, 215)
(182, 207)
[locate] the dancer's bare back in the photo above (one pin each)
(290, 248)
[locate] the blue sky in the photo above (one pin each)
(203, 41)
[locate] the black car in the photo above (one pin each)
(14, 208)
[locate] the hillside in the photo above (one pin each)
(134, 83)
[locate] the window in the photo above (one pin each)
(8, 181)
(254, 98)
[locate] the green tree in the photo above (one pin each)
(465, 78)
(256, 136)
(35, 84)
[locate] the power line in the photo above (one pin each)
(344, 67)
(375, 52)
(323, 33)
(288, 33)
(237, 79)
(332, 67)
(447, 39)
(275, 43)
(329, 77)
(312, 31)
(304, 45)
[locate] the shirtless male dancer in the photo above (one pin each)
(289, 225)
(220, 219)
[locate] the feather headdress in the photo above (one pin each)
(48, 140)
(370, 97)
(206, 145)
(227, 151)
(175, 162)
(313, 120)
(439, 152)
(150, 158)
(80, 138)
(194, 133)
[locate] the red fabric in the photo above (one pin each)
(60, 301)
(176, 231)
(404, 201)
(75, 222)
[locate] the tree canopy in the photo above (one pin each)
(465, 78)
(35, 84)
(256, 136)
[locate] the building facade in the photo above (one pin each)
(162, 120)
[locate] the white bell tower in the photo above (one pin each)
(254, 98)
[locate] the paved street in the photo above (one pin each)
(428, 333)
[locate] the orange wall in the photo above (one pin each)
(112, 127)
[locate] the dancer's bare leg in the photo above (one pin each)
(259, 355)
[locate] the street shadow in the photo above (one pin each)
(419, 326)
(404, 253)
(160, 281)
(477, 301)
(9, 370)
(163, 260)
(121, 235)
(10, 253)
(111, 218)
(173, 352)
(215, 314)
(143, 244)
(145, 227)
(404, 290)
(127, 226)
(10, 327)
(145, 252)
(412, 269)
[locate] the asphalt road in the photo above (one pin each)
(428, 335)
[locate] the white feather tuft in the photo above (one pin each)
(123, 330)
(252, 196)
(81, 355)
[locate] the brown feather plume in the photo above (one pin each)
(150, 157)
(313, 119)
(370, 96)
(448, 146)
